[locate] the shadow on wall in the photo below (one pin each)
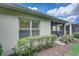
(1, 50)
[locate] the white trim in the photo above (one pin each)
(24, 28)
(70, 29)
(30, 27)
(35, 28)
(64, 29)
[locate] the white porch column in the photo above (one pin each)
(70, 29)
(64, 29)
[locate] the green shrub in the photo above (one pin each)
(1, 50)
(67, 39)
(76, 35)
(30, 45)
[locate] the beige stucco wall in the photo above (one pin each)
(9, 32)
(45, 27)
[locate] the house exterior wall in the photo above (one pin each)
(9, 27)
(45, 27)
(9, 32)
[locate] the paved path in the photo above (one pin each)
(58, 50)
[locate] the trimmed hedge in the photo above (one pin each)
(30, 45)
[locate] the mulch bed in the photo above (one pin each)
(58, 50)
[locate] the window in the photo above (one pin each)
(35, 28)
(24, 28)
(35, 32)
(24, 33)
(61, 27)
(35, 24)
(24, 23)
(28, 28)
(54, 28)
(58, 27)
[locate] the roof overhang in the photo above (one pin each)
(32, 12)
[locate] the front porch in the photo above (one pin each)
(61, 28)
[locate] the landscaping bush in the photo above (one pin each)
(76, 35)
(67, 39)
(1, 50)
(30, 45)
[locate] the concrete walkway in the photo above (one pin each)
(58, 50)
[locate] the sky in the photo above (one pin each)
(65, 11)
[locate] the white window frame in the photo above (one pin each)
(30, 28)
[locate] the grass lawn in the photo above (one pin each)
(73, 51)
(76, 36)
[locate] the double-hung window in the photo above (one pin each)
(28, 27)
(35, 28)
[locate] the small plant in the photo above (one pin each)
(1, 50)
(71, 38)
(66, 39)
